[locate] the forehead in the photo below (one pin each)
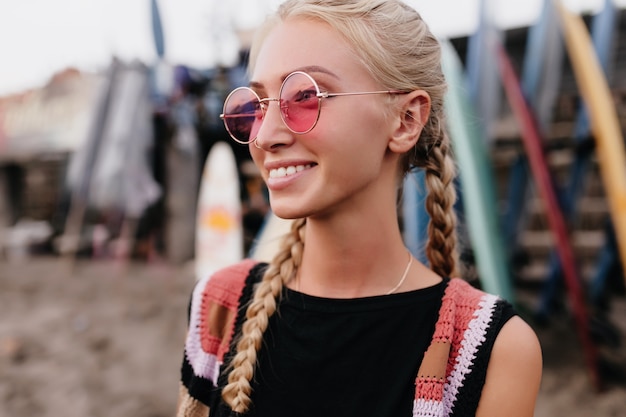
(299, 43)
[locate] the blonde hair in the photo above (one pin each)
(405, 58)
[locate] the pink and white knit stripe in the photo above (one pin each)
(427, 408)
(473, 337)
(204, 364)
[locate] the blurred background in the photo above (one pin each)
(109, 111)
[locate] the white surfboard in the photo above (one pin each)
(219, 228)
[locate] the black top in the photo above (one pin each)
(343, 357)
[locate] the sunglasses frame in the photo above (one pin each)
(264, 102)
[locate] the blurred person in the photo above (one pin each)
(345, 98)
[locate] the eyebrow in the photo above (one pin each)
(308, 69)
(315, 68)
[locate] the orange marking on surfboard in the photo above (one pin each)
(218, 218)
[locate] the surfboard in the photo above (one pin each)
(479, 199)
(267, 242)
(532, 141)
(603, 117)
(82, 165)
(415, 218)
(481, 71)
(157, 29)
(602, 31)
(540, 80)
(542, 65)
(219, 227)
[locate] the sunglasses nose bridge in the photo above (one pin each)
(266, 101)
(281, 107)
(268, 133)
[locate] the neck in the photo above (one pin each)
(345, 259)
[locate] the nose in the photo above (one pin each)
(273, 133)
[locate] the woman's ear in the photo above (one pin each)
(411, 117)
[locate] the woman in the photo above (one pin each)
(345, 97)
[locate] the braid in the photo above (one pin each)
(280, 271)
(440, 173)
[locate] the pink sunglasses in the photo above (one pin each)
(299, 99)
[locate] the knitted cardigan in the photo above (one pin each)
(450, 378)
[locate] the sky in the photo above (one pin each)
(41, 37)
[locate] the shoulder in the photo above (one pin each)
(475, 314)
(214, 305)
(511, 386)
(468, 302)
(465, 308)
(213, 308)
(463, 290)
(225, 285)
(468, 325)
(490, 328)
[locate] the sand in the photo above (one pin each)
(104, 339)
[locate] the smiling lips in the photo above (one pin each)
(289, 170)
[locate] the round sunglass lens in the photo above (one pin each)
(299, 102)
(243, 115)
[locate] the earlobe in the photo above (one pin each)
(412, 116)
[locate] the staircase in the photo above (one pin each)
(535, 242)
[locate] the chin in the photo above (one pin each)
(287, 213)
(286, 207)
(300, 206)
(289, 209)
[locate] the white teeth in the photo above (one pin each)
(286, 171)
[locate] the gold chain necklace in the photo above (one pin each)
(391, 291)
(406, 273)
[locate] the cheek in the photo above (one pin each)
(365, 119)
(351, 150)
(366, 131)
(256, 155)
